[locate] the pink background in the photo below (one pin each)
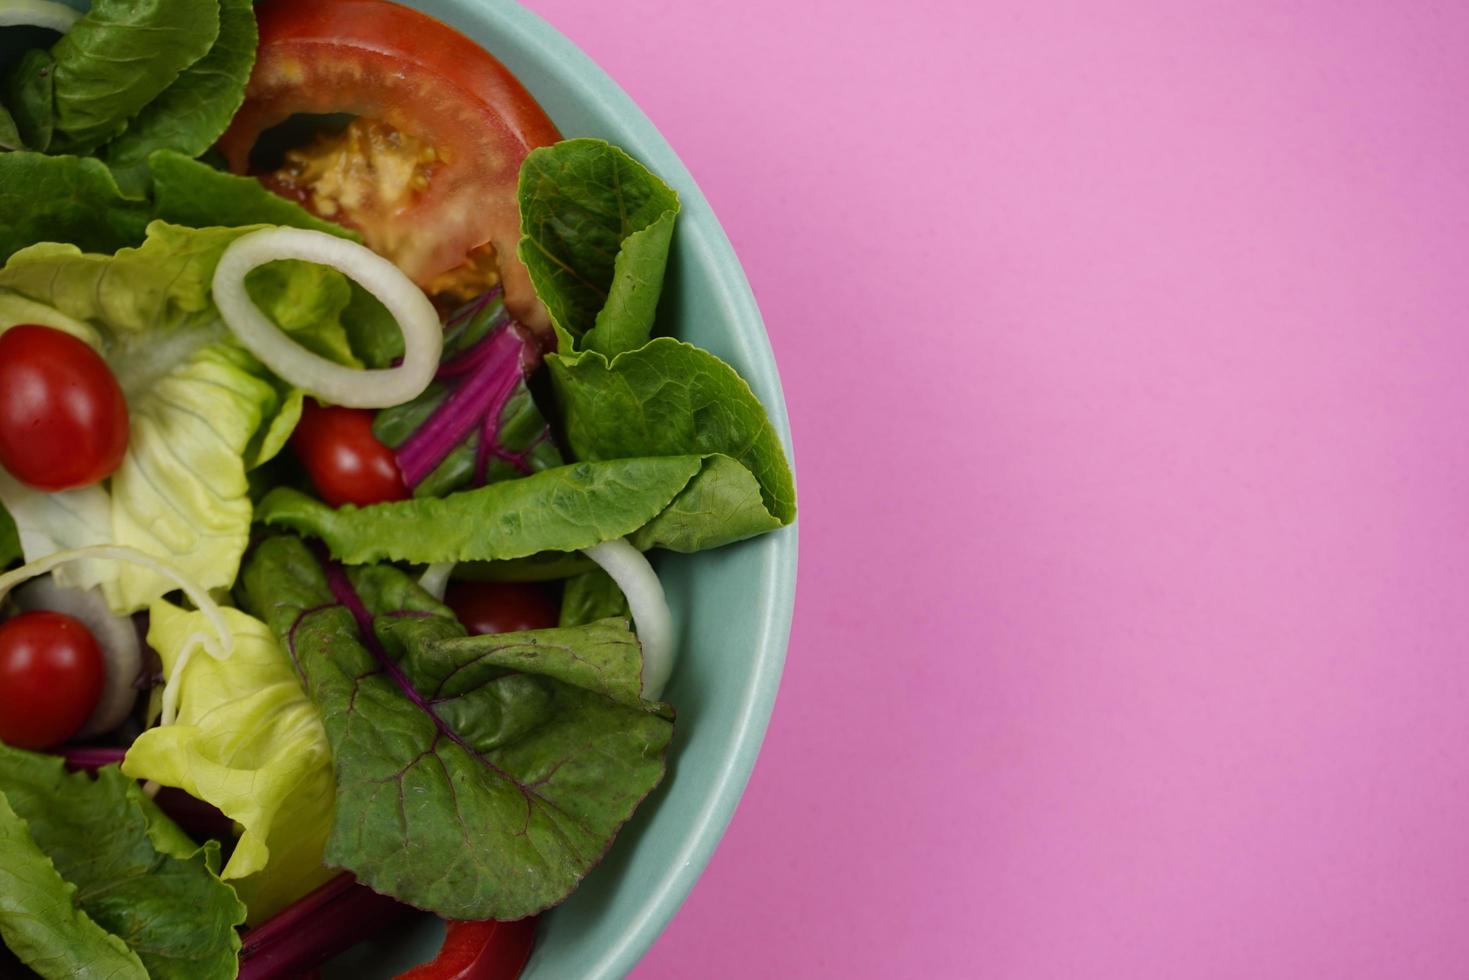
(1126, 348)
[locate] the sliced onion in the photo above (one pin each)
(639, 583)
(435, 579)
(38, 13)
(116, 636)
(219, 646)
(423, 338)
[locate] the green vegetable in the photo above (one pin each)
(201, 408)
(70, 199)
(190, 114)
(249, 742)
(136, 874)
(28, 92)
(721, 505)
(121, 56)
(187, 192)
(591, 596)
(9, 540)
(477, 777)
(40, 920)
(563, 509)
(670, 398)
(597, 226)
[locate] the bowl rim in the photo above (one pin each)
(525, 33)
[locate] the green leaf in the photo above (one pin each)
(670, 398)
(72, 199)
(190, 114)
(597, 226)
(10, 552)
(477, 777)
(187, 192)
(721, 505)
(563, 509)
(28, 91)
(249, 742)
(39, 918)
(592, 596)
(100, 834)
(119, 57)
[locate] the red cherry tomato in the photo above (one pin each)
(501, 607)
(345, 461)
(386, 62)
(479, 951)
(51, 673)
(63, 419)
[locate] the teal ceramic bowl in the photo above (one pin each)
(732, 606)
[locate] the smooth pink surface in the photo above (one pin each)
(1127, 347)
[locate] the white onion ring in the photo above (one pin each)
(639, 583)
(116, 635)
(38, 13)
(435, 580)
(423, 338)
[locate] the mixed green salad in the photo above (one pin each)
(334, 433)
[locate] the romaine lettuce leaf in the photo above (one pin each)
(249, 742)
(118, 58)
(27, 90)
(65, 198)
(597, 227)
(40, 920)
(591, 596)
(669, 398)
(477, 777)
(567, 508)
(133, 876)
(191, 113)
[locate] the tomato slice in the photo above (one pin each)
(418, 77)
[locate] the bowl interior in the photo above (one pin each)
(732, 607)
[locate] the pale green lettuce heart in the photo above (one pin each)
(249, 742)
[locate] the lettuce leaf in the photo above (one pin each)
(597, 227)
(72, 199)
(202, 409)
(591, 596)
(136, 874)
(28, 91)
(191, 113)
(120, 56)
(249, 742)
(10, 551)
(40, 920)
(669, 398)
(562, 509)
(477, 777)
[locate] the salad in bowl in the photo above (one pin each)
(334, 437)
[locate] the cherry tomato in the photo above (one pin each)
(479, 951)
(501, 607)
(385, 62)
(51, 673)
(63, 419)
(346, 463)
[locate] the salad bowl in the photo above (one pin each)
(731, 607)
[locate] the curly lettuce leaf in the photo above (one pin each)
(202, 409)
(120, 56)
(191, 113)
(126, 859)
(46, 523)
(596, 231)
(562, 509)
(477, 777)
(249, 742)
(40, 921)
(669, 398)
